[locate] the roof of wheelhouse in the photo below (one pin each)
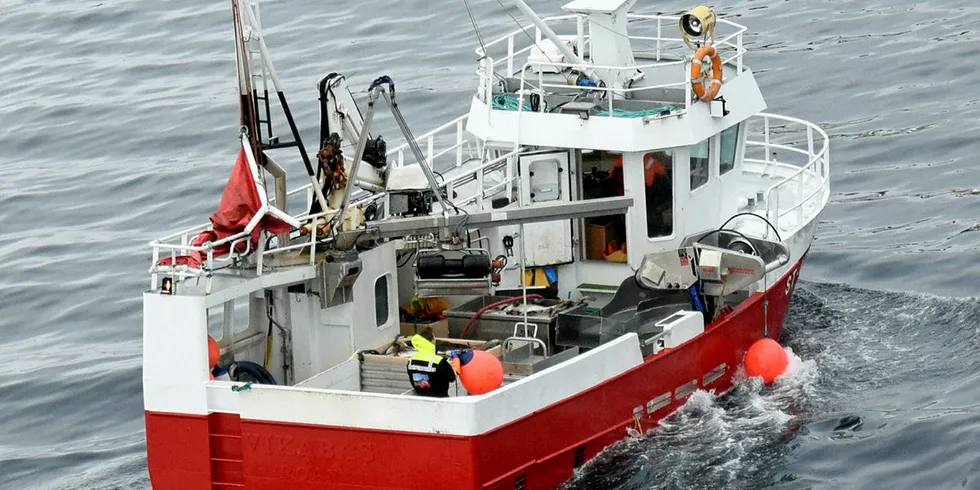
(597, 85)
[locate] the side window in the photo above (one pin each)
(699, 164)
(729, 145)
(381, 300)
(658, 168)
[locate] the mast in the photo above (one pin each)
(246, 106)
(248, 30)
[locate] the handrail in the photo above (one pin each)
(636, 18)
(487, 71)
(817, 166)
(582, 38)
(428, 141)
(184, 237)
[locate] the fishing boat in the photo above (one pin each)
(614, 220)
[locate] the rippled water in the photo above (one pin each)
(118, 121)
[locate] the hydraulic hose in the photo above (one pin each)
(491, 306)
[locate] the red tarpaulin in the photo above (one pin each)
(239, 203)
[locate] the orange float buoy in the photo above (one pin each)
(214, 352)
(766, 359)
(483, 373)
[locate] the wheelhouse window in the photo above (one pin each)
(700, 162)
(601, 174)
(658, 169)
(729, 146)
(381, 300)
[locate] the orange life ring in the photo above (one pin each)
(696, 77)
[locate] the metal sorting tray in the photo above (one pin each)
(632, 309)
(498, 324)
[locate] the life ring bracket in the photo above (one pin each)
(698, 76)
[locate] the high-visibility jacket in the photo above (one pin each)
(429, 373)
(652, 169)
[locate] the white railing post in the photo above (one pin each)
(508, 176)
(313, 237)
(809, 144)
(765, 136)
(489, 88)
(459, 143)
(401, 158)
(738, 59)
(778, 214)
(687, 86)
(580, 35)
(659, 37)
(799, 199)
(510, 56)
(153, 276)
(479, 190)
(430, 148)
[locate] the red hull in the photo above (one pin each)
(538, 452)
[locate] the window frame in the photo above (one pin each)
(672, 173)
(690, 170)
(387, 305)
(721, 148)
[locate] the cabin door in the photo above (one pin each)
(703, 193)
(544, 178)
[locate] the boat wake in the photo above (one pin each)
(856, 355)
(713, 441)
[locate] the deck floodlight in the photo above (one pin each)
(698, 23)
(167, 285)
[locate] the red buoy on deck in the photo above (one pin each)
(214, 352)
(481, 374)
(767, 359)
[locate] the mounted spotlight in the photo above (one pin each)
(698, 23)
(167, 286)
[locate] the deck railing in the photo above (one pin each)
(807, 182)
(444, 148)
(649, 40)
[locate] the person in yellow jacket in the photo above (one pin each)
(430, 373)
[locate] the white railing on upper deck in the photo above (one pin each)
(655, 44)
(808, 182)
(449, 147)
(445, 147)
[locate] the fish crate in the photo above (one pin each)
(498, 323)
(384, 369)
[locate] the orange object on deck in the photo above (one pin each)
(214, 352)
(482, 374)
